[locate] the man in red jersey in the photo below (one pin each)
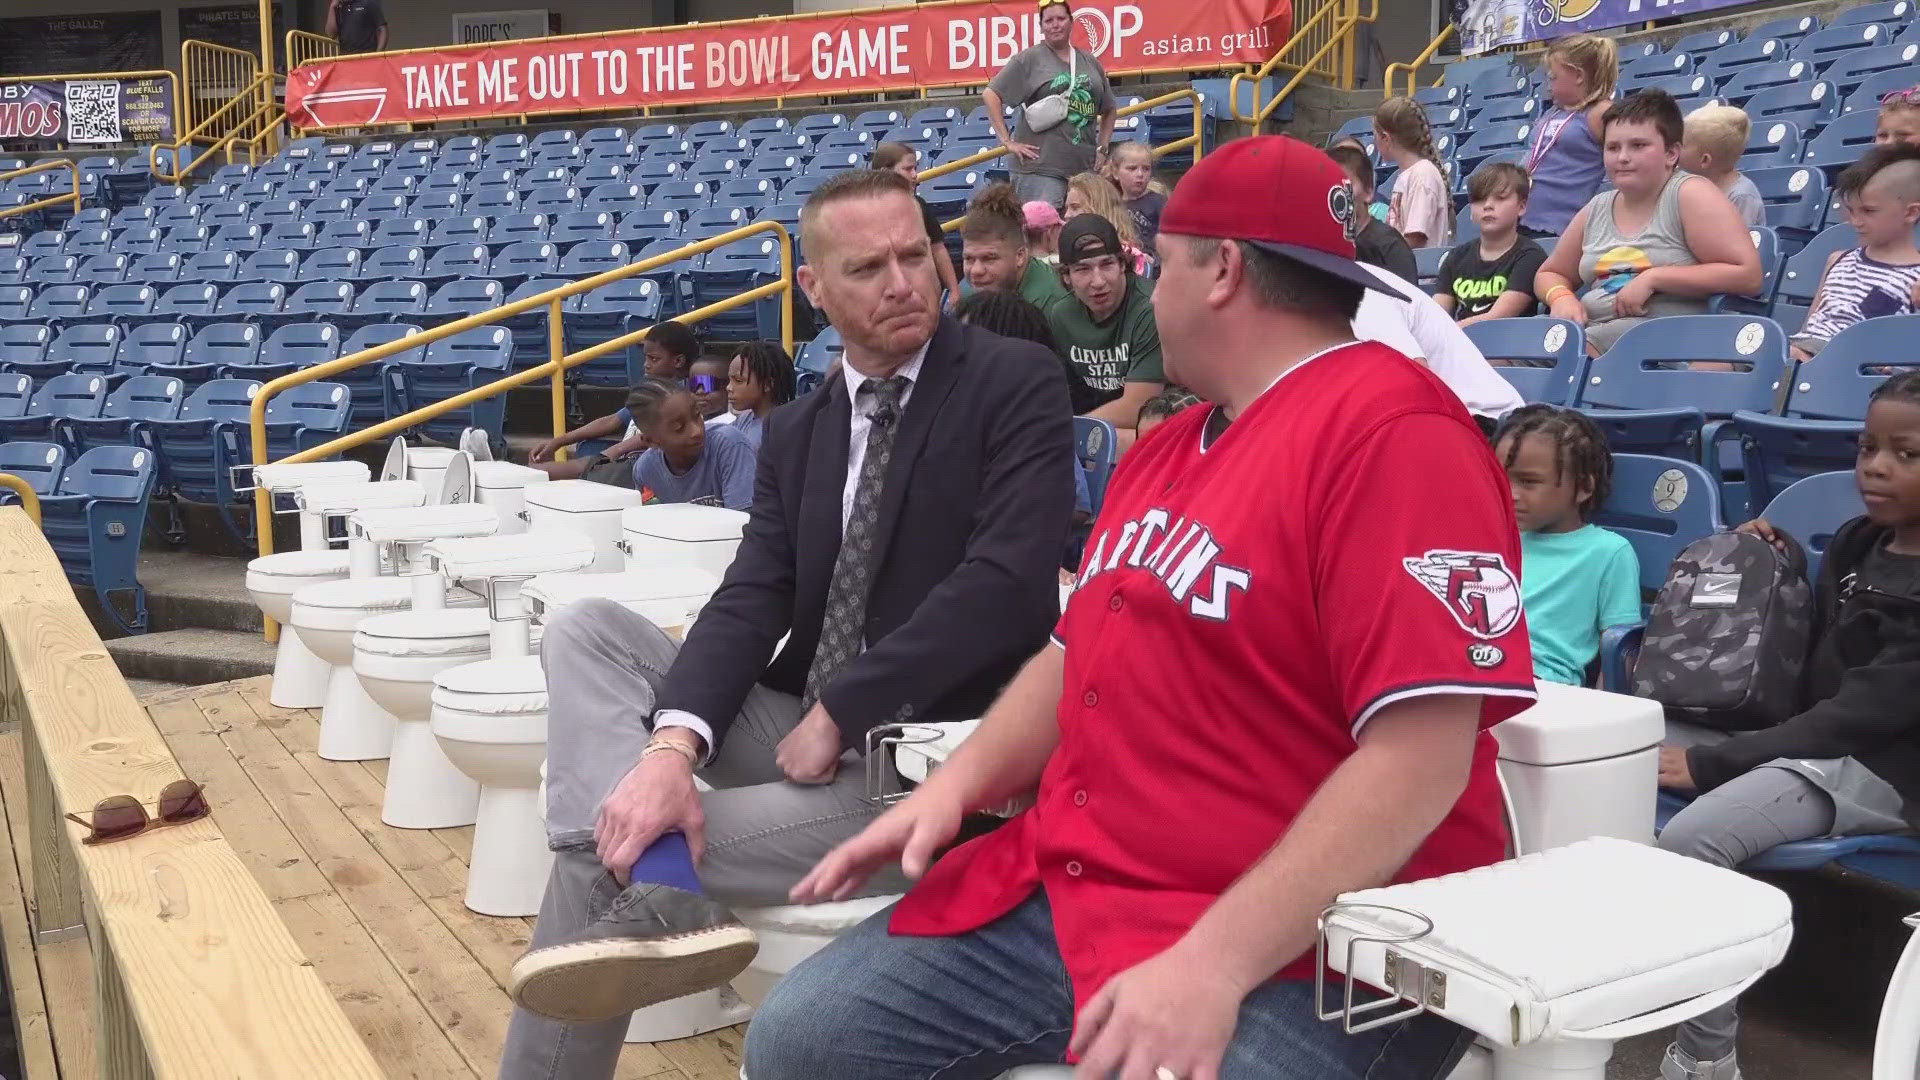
(1297, 617)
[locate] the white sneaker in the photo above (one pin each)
(474, 442)
(1680, 1065)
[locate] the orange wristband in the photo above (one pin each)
(1553, 293)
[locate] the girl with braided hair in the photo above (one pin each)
(759, 380)
(1576, 578)
(1420, 207)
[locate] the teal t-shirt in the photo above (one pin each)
(1574, 585)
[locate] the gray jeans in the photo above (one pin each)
(763, 833)
(1029, 187)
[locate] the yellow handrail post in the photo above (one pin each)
(29, 499)
(72, 196)
(556, 350)
(1339, 42)
(1188, 93)
(1412, 67)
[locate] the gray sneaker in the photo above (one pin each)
(474, 442)
(654, 944)
(1680, 1065)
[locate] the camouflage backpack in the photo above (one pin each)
(1728, 634)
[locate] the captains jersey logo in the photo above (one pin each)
(1181, 553)
(1481, 594)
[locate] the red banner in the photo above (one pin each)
(805, 55)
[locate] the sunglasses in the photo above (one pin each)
(704, 384)
(122, 817)
(1045, 4)
(1909, 96)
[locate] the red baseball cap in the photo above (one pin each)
(1278, 194)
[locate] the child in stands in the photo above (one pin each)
(707, 380)
(669, 352)
(690, 461)
(1091, 193)
(1377, 243)
(1849, 763)
(1492, 277)
(1899, 118)
(759, 380)
(1576, 578)
(1420, 207)
(1881, 192)
(1043, 231)
(1133, 170)
(1716, 137)
(905, 160)
(1564, 158)
(1161, 406)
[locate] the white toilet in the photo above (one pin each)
(679, 534)
(582, 506)
(502, 485)
(299, 677)
(490, 719)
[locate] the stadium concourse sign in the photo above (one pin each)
(1489, 24)
(82, 111)
(887, 49)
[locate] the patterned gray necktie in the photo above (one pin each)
(843, 627)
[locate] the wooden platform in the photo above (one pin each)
(376, 909)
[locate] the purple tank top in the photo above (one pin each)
(1567, 169)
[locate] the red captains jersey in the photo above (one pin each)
(1244, 608)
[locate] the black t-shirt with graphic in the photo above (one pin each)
(1475, 283)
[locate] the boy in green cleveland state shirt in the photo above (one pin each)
(1105, 323)
(995, 255)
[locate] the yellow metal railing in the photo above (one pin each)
(29, 499)
(252, 110)
(72, 197)
(302, 47)
(554, 369)
(1195, 140)
(213, 77)
(1412, 67)
(1333, 28)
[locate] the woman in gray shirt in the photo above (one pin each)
(1042, 160)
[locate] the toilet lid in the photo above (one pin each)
(300, 474)
(298, 564)
(581, 497)
(1571, 724)
(458, 632)
(364, 594)
(425, 522)
(514, 687)
(684, 522)
(497, 475)
(626, 587)
(815, 918)
(346, 498)
(543, 552)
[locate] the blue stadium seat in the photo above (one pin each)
(875, 121)
(1867, 96)
(761, 127)
(221, 214)
(318, 211)
(1742, 83)
(132, 217)
(288, 349)
(716, 170)
(562, 156)
(746, 191)
(561, 138)
(1660, 505)
(1644, 394)
(330, 262)
(1824, 47)
(138, 241)
(338, 234)
(1800, 276)
(506, 159)
(150, 343)
(455, 262)
(820, 124)
(294, 235)
(16, 392)
(460, 144)
(1702, 42)
(268, 211)
(1492, 139)
(1681, 87)
(1819, 428)
(185, 239)
(727, 271)
(1796, 199)
(1848, 73)
(72, 394)
(1772, 145)
(399, 231)
(394, 184)
(312, 301)
(640, 227)
(776, 165)
(209, 193)
(593, 257)
(366, 382)
(102, 269)
(1808, 104)
(435, 205)
(551, 200)
(681, 195)
(122, 420)
(189, 298)
(828, 162)
(215, 349)
(540, 176)
(1093, 445)
(397, 261)
(94, 525)
(493, 202)
(651, 174)
(450, 366)
(197, 447)
(38, 463)
(383, 301)
(1633, 74)
(518, 262)
(463, 296)
(1791, 29)
(458, 230)
(89, 347)
(13, 269)
(86, 242)
(529, 328)
(518, 229)
(1767, 242)
(615, 197)
(119, 304)
(574, 226)
(16, 301)
(57, 269)
(1892, 14)
(443, 182)
(251, 301)
(56, 304)
(242, 238)
(713, 221)
(816, 357)
(1841, 143)
(23, 343)
(211, 266)
(603, 314)
(598, 137)
(276, 265)
(591, 176)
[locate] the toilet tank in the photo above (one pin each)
(502, 485)
(1581, 763)
(582, 506)
(667, 597)
(682, 534)
(428, 465)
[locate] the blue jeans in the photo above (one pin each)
(872, 1006)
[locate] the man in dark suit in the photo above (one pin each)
(907, 524)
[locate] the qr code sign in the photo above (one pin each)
(93, 112)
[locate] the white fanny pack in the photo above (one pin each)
(1050, 110)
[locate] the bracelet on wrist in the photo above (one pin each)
(658, 746)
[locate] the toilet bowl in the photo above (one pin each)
(299, 678)
(585, 507)
(396, 657)
(502, 485)
(681, 534)
(490, 719)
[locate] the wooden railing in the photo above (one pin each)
(194, 973)
(29, 498)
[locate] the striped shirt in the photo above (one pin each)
(1857, 288)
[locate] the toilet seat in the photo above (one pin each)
(433, 521)
(343, 605)
(504, 475)
(347, 498)
(493, 701)
(490, 720)
(289, 571)
(665, 597)
(520, 555)
(832, 919)
(285, 476)
(407, 635)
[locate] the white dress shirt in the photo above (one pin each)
(1423, 330)
(861, 423)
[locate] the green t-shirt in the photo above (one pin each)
(1123, 349)
(1041, 285)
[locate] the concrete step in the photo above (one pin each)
(194, 657)
(187, 590)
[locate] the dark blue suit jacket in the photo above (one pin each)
(973, 521)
